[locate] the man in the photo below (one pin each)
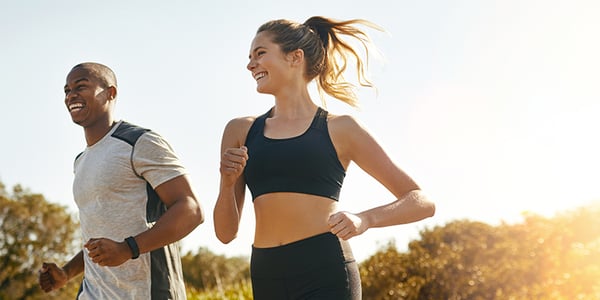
(135, 201)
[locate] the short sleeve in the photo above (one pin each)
(155, 160)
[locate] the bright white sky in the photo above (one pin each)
(492, 106)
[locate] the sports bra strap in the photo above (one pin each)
(320, 119)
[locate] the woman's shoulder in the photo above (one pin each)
(343, 122)
(239, 125)
(241, 121)
(346, 128)
(237, 129)
(244, 122)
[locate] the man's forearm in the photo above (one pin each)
(75, 266)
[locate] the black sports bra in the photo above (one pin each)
(307, 163)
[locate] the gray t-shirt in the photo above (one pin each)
(114, 203)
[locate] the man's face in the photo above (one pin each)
(86, 97)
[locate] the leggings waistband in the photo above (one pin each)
(300, 256)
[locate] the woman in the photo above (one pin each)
(294, 159)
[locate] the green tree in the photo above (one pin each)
(238, 291)
(206, 271)
(32, 231)
(567, 252)
(541, 258)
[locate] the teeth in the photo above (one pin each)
(260, 75)
(75, 106)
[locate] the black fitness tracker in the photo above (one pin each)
(135, 251)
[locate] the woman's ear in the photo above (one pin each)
(296, 57)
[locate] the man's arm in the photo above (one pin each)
(183, 215)
(52, 277)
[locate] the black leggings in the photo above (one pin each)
(318, 267)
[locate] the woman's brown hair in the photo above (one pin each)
(325, 53)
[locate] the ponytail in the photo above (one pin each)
(326, 54)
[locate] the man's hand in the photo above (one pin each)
(106, 252)
(51, 277)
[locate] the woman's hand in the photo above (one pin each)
(233, 162)
(346, 225)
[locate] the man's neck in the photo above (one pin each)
(95, 133)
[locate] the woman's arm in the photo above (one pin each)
(230, 201)
(354, 143)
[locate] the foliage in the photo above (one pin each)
(32, 231)
(207, 271)
(239, 291)
(211, 275)
(541, 258)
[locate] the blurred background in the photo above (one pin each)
(490, 105)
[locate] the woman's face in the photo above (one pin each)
(270, 67)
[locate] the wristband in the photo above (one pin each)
(135, 251)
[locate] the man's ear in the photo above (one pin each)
(112, 92)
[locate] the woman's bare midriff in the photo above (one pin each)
(283, 218)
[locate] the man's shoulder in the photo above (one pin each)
(129, 132)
